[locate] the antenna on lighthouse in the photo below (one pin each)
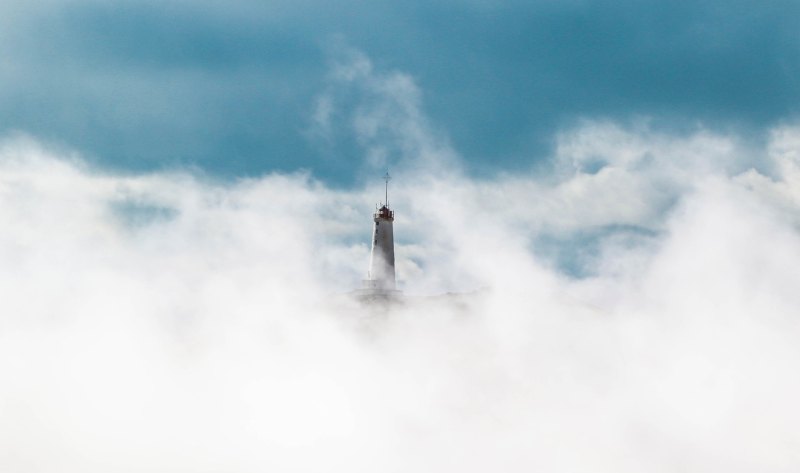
(387, 178)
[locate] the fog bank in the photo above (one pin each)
(633, 309)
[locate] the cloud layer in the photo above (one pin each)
(630, 305)
(635, 309)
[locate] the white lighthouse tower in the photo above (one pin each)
(381, 277)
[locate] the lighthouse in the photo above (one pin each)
(381, 275)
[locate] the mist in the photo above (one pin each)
(634, 307)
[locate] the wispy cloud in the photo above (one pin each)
(383, 111)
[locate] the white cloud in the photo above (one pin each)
(384, 112)
(168, 322)
(163, 322)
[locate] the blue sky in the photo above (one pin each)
(231, 88)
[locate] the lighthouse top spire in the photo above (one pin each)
(384, 213)
(387, 178)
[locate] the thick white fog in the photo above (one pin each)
(633, 308)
